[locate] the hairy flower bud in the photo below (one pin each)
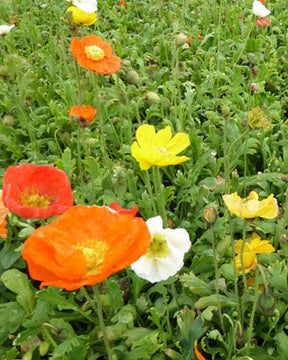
(210, 215)
(132, 77)
(267, 303)
(151, 98)
(181, 39)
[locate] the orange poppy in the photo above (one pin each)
(115, 206)
(84, 114)
(94, 54)
(84, 246)
(3, 213)
(122, 3)
(36, 192)
(200, 37)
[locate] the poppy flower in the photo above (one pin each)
(84, 246)
(160, 149)
(259, 9)
(251, 248)
(200, 37)
(250, 207)
(88, 6)
(94, 54)
(82, 17)
(84, 114)
(263, 22)
(36, 192)
(5, 29)
(257, 119)
(122, 3)
(165, 254)
(3, 213)
(132, 212)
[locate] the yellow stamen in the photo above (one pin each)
(31, 198)
(94, 252)
(94, 52)
(158, 247)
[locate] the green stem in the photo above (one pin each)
(159, 196)
(98, 310)
(217, 276)
(243, 303)
(251, 322)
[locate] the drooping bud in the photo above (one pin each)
(181, 39)
(8, 120)
(132, 77)
(151, 98)
(267, 303)
(210, 215)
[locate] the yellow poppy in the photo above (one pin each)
(250, 207)
(82, 17)
(251, 248)
(160, 149)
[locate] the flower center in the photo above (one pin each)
(31, 198)
(94, 52)
(158, 247)
(94, 252)
(163, 151)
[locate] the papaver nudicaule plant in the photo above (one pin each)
(165, 254)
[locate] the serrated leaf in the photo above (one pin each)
(11, 316)
(196, 285)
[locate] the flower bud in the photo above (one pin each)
(151, 98)
(210, 215)
(225, 111)
(181, 39)
(44, 348)
(267, 303)
(8, 120)
(132, 77)
(3, 70)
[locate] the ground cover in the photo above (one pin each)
(195, 113)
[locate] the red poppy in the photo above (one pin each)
(94, 54)
(200, 37)
(84, 246)
(263, 22)
(85, 113)
(36, 192)
(132, 212)
(189, 40)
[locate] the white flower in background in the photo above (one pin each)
(165, 254)
(259, 9)
(88, 6)
(5, 29)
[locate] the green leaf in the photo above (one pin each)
(18, 282)
(282, 340)
(53, 297)
(196, 285)
(211, 300)
(10, 354)
(8, 255)
(67, 163)
(11, 316)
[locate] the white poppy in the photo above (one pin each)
(259, 9)
(165, 254)
(88, 6)
(5, 29)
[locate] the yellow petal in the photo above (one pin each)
(262, 246)
(163, 137)
(145, 134)
(238, 245)
(249, 260)
(268, 208)
(178, 143)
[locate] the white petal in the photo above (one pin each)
(178, 239)
(169, 268)
(146, 269)
(259, 9)
(88, 6)
(5, 29)
(155, 224)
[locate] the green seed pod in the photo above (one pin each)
(181, 39)
(132, 77)
(8, 120)
(44, 348)
(152, 98)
